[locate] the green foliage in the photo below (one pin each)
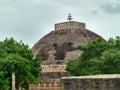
(4, 82)
(18, 58)
(98, 57)
(110, 61)
(71, 66)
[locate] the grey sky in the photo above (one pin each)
(30, 20)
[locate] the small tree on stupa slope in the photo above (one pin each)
(98, 57)
(18, 58)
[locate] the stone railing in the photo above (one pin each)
(45, 86)
(95, 82)
(53, 68)
(69, 25)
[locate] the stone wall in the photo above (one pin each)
(95, 82)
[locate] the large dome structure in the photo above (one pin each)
(57, 47)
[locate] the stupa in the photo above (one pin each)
(57, 47)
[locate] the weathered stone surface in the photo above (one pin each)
(46, 76)
(95, 82)
(56, 45)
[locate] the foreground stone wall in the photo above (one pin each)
(96, 82)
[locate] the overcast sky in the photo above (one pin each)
(30, 20)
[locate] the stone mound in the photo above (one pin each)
(57, 47)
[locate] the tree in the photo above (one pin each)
(110, 61)
(98, 57)
(18, 58)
